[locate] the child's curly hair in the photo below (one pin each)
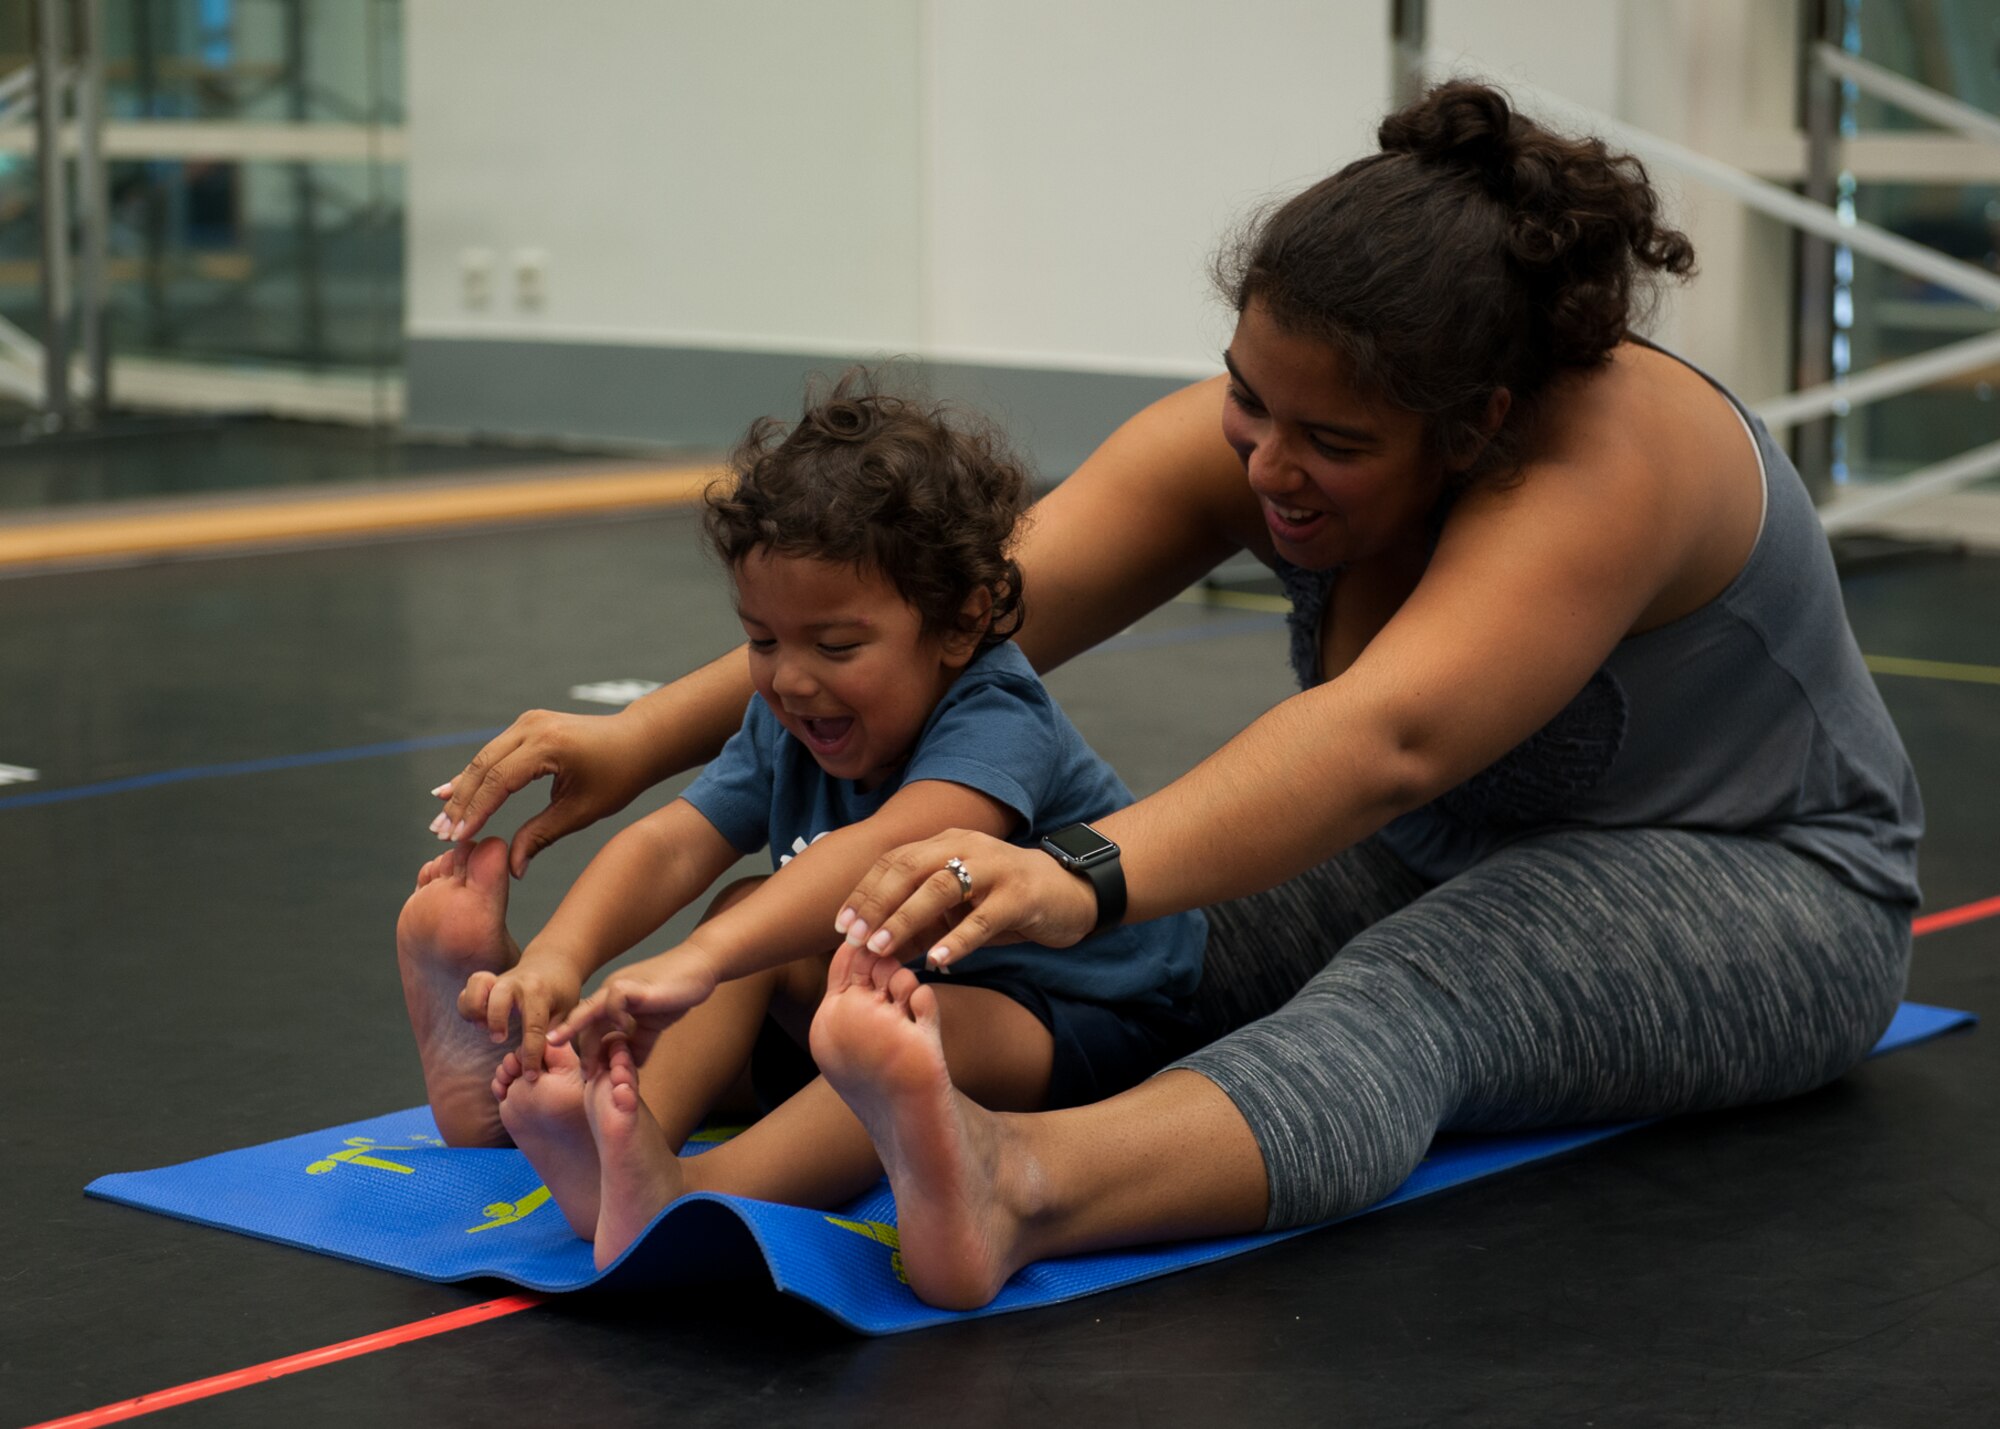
(926, 495)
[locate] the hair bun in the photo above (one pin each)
(847, 419)
(1463, 124)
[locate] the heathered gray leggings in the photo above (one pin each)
(1571, 977)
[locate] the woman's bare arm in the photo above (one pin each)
(1153, 509)
(1527, 593)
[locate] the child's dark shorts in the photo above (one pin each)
(1101, 1049)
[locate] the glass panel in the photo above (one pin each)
(266, 261)
(304, 60)
(1881, 314)
(1946, 45)
(1895, 315)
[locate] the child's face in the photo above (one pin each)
(843, 661)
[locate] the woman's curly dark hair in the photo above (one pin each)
(927, 495)
(1477, 251)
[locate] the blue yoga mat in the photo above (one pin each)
(387, 1192)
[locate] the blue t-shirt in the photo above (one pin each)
(997, 731)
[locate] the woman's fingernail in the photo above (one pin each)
(842, 919)
(458, 831)
(856, 932)
(440, 791)
(439, 824)
(880, 942)
(937, 959)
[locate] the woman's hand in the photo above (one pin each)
(910, 900)
(599, 763)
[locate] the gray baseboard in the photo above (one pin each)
(703, 398)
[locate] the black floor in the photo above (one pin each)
(198, 965)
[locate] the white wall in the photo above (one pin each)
(1085, 159)
(1572, 47)
(1035, 183)
(736, 175)
(1719, 76)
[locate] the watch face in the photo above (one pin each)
(1080, 842)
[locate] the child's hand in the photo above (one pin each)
(539, 993)
(636, 1005)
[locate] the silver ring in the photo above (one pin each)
(957, 869)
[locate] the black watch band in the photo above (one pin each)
(1084, 851)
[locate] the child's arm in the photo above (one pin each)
(789, 916)
(644, 876)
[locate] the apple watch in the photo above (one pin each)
(1085, 852)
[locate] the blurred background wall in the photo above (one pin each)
(652, 220)
(645, 221)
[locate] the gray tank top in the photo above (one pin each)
(1751, 715)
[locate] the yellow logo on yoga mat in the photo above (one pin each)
(505, 1213)
(880, 1232)
(368, 1154)
(364, 1151)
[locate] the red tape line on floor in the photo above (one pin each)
(1953, 917)
(494, 1309)
(292, 1364)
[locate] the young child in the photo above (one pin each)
(867, 547)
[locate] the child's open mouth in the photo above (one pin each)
(826, 735)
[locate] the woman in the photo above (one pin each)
(1588, 808)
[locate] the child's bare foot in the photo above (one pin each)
(545, 1117)
(875, 1038)
(454, 925)
(638, 1173)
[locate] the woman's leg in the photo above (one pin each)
(1572, 977)
(1581, 976)
(1264, 948)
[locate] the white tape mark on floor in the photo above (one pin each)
(613, 692)
(17, 774)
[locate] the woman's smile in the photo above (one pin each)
(1339, 477)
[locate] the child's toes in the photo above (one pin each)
(881, 971)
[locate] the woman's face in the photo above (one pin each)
(1340, 479)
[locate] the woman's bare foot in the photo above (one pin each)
(545, 1117)
(638, 1173)
(454, 925)
(962, 1229)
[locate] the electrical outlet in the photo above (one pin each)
(531, 277)
(475, 277)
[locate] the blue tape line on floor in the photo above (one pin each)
(1131, 640)
(386, 1192)
(269, 765)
